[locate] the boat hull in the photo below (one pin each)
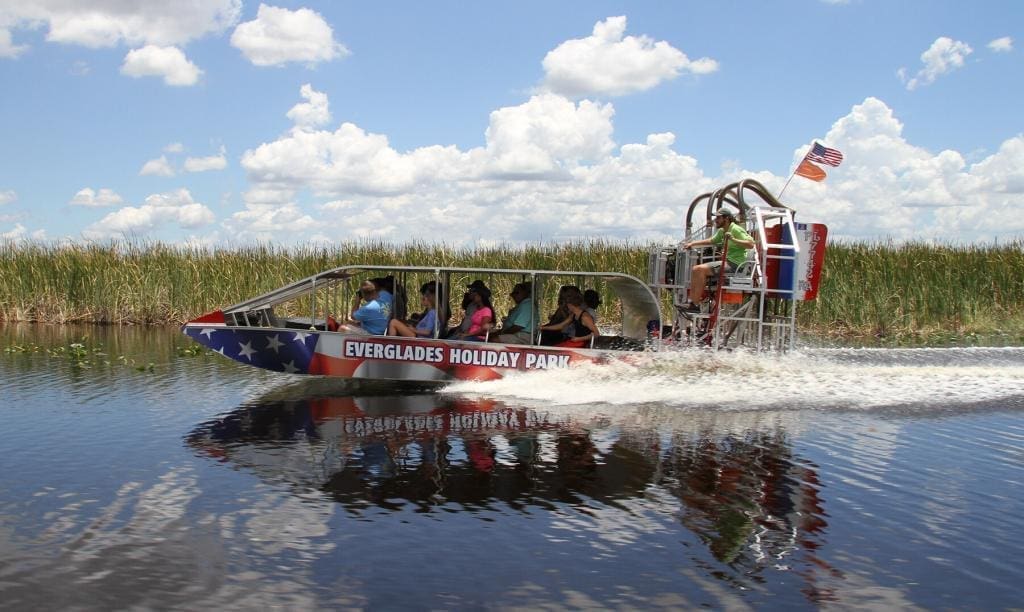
(358, 356)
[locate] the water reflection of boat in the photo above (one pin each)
(741, 490)
(295, 328)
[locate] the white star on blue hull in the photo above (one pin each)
(246, 350)
(273, 343)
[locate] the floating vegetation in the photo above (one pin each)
(906, 292)
(24, 348)
(192, 351)
(82, 355)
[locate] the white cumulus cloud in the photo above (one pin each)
(271, 223)
(550, 170)
(1001, 45)
(174, 147)
(20, 232)
(887, 187)
(278, 36)
(943, 56)
(17, 233)
(157, 167)
(546, 135)
(609, 63)
(96, 199)
(169, 63)
(543, 138)
(107, 23)
(7, 47)
(174, 208)
(6, 197)
(314, 111)
(203, 164)
(543, 160)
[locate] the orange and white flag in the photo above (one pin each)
(808, 170)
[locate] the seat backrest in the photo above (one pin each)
(743, 276)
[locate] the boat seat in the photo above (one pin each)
(743, 277)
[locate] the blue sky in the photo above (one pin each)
(229, 122)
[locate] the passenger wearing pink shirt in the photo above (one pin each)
(483, 316)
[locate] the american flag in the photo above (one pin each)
(824, 155)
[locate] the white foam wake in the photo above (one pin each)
(744, 381)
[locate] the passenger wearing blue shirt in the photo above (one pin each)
(425, 326)
(521, 323)
(369, 312)
(392, 294)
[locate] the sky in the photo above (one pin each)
(223, 122)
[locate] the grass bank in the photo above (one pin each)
(874, 289)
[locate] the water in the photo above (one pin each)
(857, 478)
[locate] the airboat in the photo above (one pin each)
(293, 328)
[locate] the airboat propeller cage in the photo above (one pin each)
(752, 303)
(733, 194)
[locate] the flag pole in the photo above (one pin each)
(793, 173)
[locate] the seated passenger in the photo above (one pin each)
(552, 333)
(483, 314)
(385, 288)
(370, 317)
(392, 294)
(518, 327)
(591, 300)
(584, 329)
(424, 325)
(468, 308)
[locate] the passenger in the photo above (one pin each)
(551, 333)
(483, 315)
(591, 300)
(393, 294)
(518, 327)
(424, 325)
(468, 308)
(370, 317)
(583, 325)
(385, 288)
(739, 243)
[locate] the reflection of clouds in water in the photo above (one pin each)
(150, 547)
(285, 521)
(739, 380)
(870, 451)
(135, 512)
(314, 459)
(857, 591)
(604, 528)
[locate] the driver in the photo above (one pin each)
(739, 243)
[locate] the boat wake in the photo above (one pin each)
(812, 378)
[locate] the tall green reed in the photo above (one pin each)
(866, 288)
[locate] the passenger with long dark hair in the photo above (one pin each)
(580, 322)
(483, 314)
